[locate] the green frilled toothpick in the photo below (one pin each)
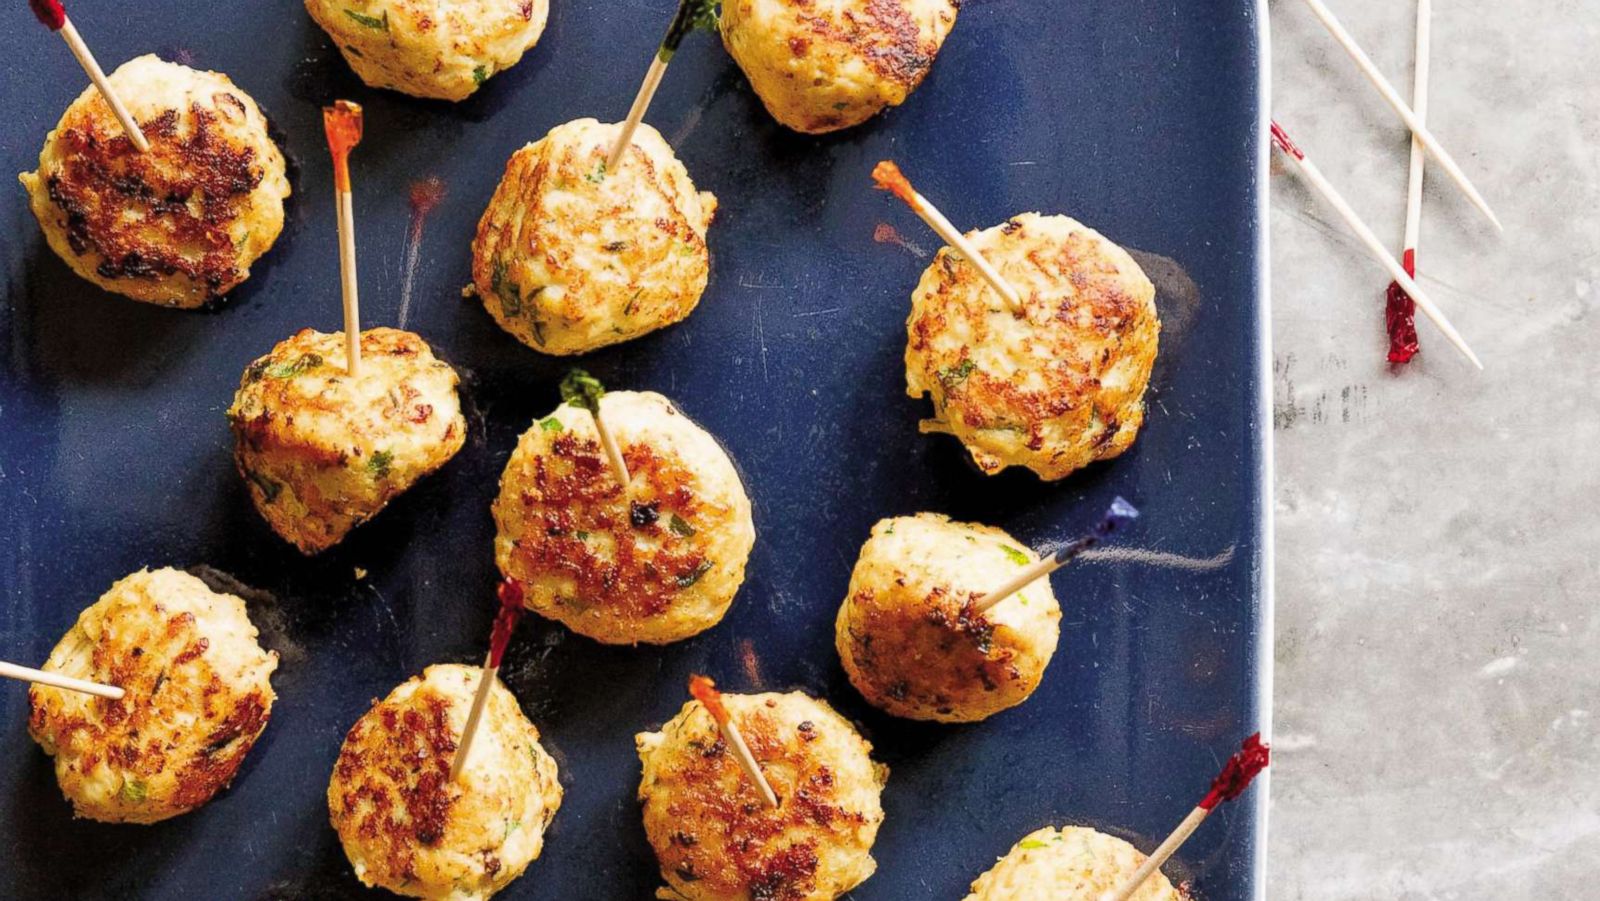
(691, 15)
(584, 391)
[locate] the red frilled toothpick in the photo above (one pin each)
(888, 177)
(1317, 180)
(344, 124)
(1400, 312)
(51, 14)
(1235, 777)
(505, 622)
(705, 691)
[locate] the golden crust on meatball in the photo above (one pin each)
(714, 836)
(823, 65)
(569, 257)
(198, 692)
(322, 452)
(1074, 863)
(406, 826)
(181, 223)
(655, 564)
(1055, 386)
(443, 49)
(908, 634)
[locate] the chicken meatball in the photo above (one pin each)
(443, 49)
(715, 837)
(570, 257)
(910, 638)
(1054, 386)
(181, 223)
(406, 826)
(655, 562)
(1073, 863)
(322, 452)
(197, 693)
(823, 65)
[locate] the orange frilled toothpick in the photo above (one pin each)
(505, 622)
(1235, 777)
(889, 178)
(343, 123)
(53, 16)
(705, 691)
(56, 680)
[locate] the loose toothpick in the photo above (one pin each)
(1412, 120)
(56, 680)
(580, 389)
(1119, 513)
(1235, 777)
(1400, 310)
(505, 622)
(1373, 245)
(342, 122)
(691, 14)
(889, 178)
(54, 17)
(705, 691)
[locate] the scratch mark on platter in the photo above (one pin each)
(761, 339)
(1162, 559)
(805, 313)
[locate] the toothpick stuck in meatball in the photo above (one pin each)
(181, 223)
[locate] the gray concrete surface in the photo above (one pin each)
(1438, 594)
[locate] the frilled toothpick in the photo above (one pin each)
(705, 691)
(889, 178)
(53, 16)
(1400, 311)
(1317, 180)
(1235, 777)
(505, 622)
(1118, 514)
(692, 14)
(582, 390)
(343, 123)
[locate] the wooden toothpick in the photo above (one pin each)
(54, 17)
(582, 390)
(56, 680)
(889, 178)
(505, 622)
(1119, 513)
(691, 14)
(705, 691)
(1400, 311)
(1235, 777)
(1409, 116)
(343, 123)
(1374, 246)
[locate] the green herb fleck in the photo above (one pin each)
(381, 23)
(598, 175)
(511, 826)
(256, 370)
(693, 575)
(505, 289)
(618, 246)
(551, 424)
(952, 376)
(1029, 844)
(580, 389)
(679, 527)
(134, 791)
(301, 366)
(379, 463)
(841, 106)
(480, 75)
(628, 310)
(581, 535)
(1014, 555)
(269, 488)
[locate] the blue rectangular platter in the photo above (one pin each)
(1141, 118)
